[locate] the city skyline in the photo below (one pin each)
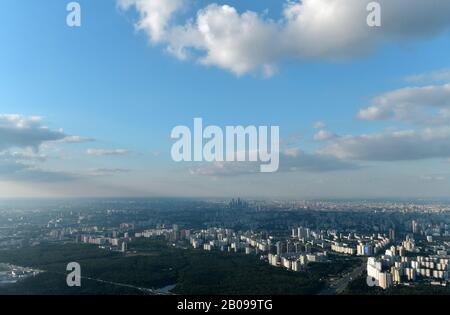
(181, 247)
(87, 111)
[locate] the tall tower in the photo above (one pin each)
(279, 246)
(392, 234)
(414, 226)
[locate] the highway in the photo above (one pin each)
(338, 286)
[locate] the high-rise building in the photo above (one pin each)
(385, 280)
(123, 247)
(392, 234)
(414, 226)
(411, 274)
(279, 247)
(396, 275)
(360, 249)
(296, 265)
(308, 247)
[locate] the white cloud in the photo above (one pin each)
(291, 160)
(21, 137)
(154, 15)
(323, 135)
(238, 42)
(17, 131)
(427, 143)
(104, 152)
(414, 104)
(434, 76)
(219, 35)
(76, 139)
(319, 125)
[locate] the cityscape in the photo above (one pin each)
(224, 155)
(321, 247)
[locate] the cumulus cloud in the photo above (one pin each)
(434, 76)
(414, 104)
(154, 15)
(221, 36)
(18, 131)
(104, 152)
(21, 138)
(319, 125)
(323, 135)
(422, 105)
(392, 145)
(291, 160)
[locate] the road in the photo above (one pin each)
(143, 290)
(338, 286)
(147, 291)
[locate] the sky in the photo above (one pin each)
(88, 111)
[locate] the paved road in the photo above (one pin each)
(338, 286)
(142, 289)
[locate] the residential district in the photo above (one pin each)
(399, 244)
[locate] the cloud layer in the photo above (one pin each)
(393, 145)
(17, 131)
(22, 166)
(243, 42)
(425, 108)
(291, 160)
(426, 104)
(20, 140)
(104, 152)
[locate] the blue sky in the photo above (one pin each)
(116, 86)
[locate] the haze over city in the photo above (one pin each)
(224, 155)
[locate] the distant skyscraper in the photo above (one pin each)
(392, 234)
(279, 246)
(238, 204)
(414, 226)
